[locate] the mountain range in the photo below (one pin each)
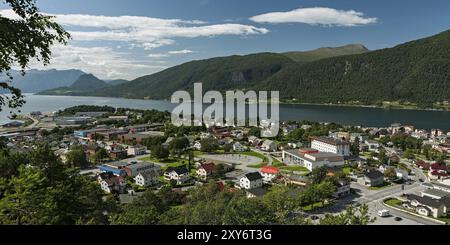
(416, 73)
(38, 80)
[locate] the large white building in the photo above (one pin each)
(327, 144)
(311, 159)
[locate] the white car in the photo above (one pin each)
(383, 213)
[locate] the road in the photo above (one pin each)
(35, 122)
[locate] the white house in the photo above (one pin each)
(197, 145)
(269, 173)
(238, 147)
(268, 145)
(372, 145)
(327, 144)
(180, 175)
(206, 170)
(148, 178)
(251, 181)
(136, 150)
(113, 184)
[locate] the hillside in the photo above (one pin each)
(84, 84)
(38, 80)
(327, 52)
(416, 72)
(238, 72)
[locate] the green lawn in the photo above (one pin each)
(347, 170)
(314, 206)
(384, 185)
(295, 168)
(258, 165)
(255, 154)
(393, 202)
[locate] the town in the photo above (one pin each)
(399, 172)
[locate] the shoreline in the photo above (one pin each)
(394, 107)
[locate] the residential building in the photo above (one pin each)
(238, 147)
(251, 181)
(133, 170)
(342, 188)
(206, 170)
(115, 184)
(296, 179)
(311, 158)
(327, 144)
(117, 152)
(372, 178)
(427, 206)
(147, 178)
(255, 192)
(269, 173)
(438, 171)
(268, 145)
(136, 150)
(180, 175)
(372, 145)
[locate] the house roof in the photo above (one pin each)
(437, 166)
(270, 170)
(330, 141)
(436, 193)
(253, 176)
(209, 166)
(178, 170)
(426, 201)
(374, 174)
(258, 192)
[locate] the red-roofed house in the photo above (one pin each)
(422, 165)
(206, 170)
(269, 173)
(438, 171)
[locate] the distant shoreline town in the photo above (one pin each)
(128, 152)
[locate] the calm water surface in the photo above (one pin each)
(345, 115)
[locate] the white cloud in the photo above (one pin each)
(184, 51)
(170, 53)
(104, 62)
(158, 56)
(146, 33)
(316, 16)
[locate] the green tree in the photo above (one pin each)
(159, 152)
(390, 173)
(77, 158)
(409, 154)
(209, 145)
(318, 175)
(100, 155)
(23, 39)
(45, 191)
(351, 216)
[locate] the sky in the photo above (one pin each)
(115, 39)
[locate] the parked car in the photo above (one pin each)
(383, 213)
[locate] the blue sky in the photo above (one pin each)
(176, 31)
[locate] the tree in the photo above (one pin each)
(390, 173)
(178, 145)
(318, 175)
(254, 131)
(159, 152)
(209, 145)
(47, 192)
(227, 147)
(355, 147)
(100, 155)
(409, 154)
(351, 216)
(77, 158)
(382, 157)
(25, 38)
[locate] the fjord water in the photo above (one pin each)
(374, 117)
